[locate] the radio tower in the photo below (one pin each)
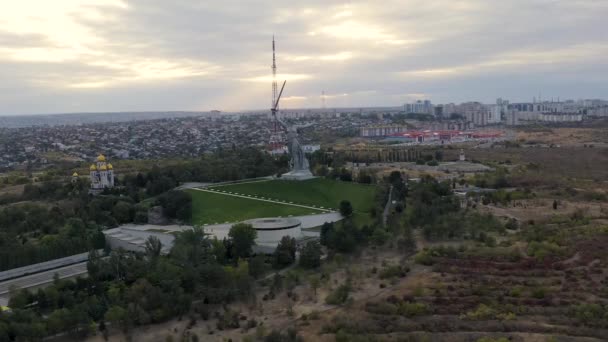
(275, 135)
(274, 75)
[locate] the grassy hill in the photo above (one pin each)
(318, 191)
(210, 208)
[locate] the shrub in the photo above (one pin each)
(339, 295)
(409, 309)
(381, 308)
(424, 258)
(490, 339)
(393, 272)
(539, 293)
(482, 312)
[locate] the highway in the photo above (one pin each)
(41, 279)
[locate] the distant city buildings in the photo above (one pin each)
(382, 130)
(505, 112)
(419, 107)
(189, 135)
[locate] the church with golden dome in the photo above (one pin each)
(102, 174)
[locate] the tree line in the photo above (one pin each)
(128, 289)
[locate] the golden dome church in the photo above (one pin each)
(102, 174)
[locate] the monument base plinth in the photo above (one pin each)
(298, 175)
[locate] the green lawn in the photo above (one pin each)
(318, 191)
(210, 208)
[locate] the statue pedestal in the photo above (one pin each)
(298, 175)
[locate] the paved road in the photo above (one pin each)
(221, 192)
(43, 266)
(43, 278)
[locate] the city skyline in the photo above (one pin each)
(113, 56)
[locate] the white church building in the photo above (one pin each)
(102, 175)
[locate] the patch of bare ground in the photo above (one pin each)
(541, 209)
(553, 167)
(565, 136)
(12, 190)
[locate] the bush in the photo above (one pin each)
(539, 293)
(424, 258)
(482, 312)
(409, 309)
(381, 308)
(590, 314)
(380, 236)
(393, 272)
(490, 339)
(229, 320)
(339, 295)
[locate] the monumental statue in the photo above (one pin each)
(300, 168)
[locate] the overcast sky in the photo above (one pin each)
(137, 55)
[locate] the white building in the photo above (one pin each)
(560, 117)
(102, 174)
(310, 148)
(495, 114)
(381, 131)
(477, 113)
(419, 107)
(270, 231)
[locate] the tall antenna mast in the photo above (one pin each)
(274, 75)
(275, 138)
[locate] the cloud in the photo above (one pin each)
(520, 61)
(288, 77)
(98, 55)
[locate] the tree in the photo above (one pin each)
(93, 264)
(285, 254)
(554, 204)
(395, 177)
(243, 239)
(153, 247)
(177, 205)
(123, 212)
(141, 216)
(326, 235)
(310, 256)
(116, 315)
(257, 266)
(315, 282)
(191, 246)
(345, 237)
(346, 209)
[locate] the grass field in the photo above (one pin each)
(318, 191)
(210, 208)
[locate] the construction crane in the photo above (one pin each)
(275, 106)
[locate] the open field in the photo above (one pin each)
(565, 136)
(210, 208)
(577, 164)
(320, 192)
